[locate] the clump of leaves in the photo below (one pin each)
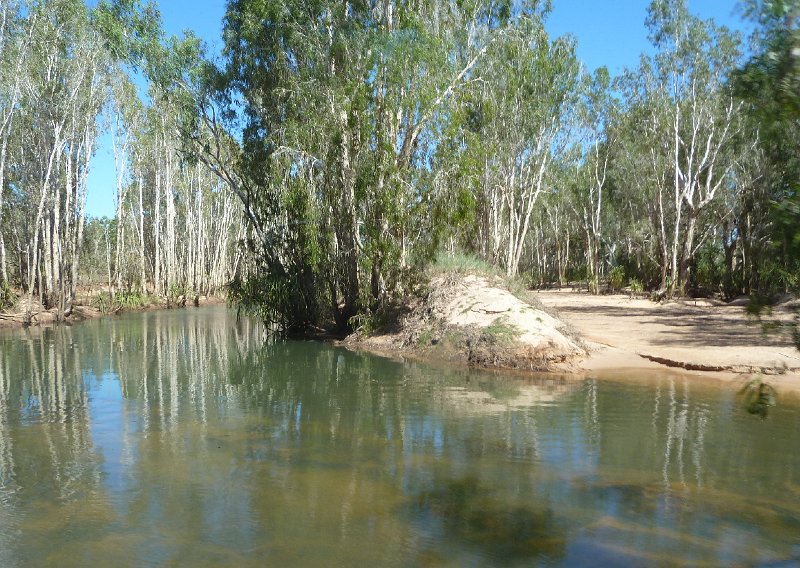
(758, 396)
(463, 264)
(109, 303)
(177, 294)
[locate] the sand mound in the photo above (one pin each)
(476, 320)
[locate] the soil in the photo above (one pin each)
(693, 335)
(477, 320)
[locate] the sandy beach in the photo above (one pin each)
(703, 336)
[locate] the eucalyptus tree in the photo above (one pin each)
(684, 139)
(58, 94)
(340, 107)
(514, 126)
(769, 83)
(15, 38)
(597, 111)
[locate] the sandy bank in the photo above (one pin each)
(476, 320)
(697, 336)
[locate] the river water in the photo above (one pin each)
(183, 438)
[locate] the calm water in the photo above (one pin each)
(182, 439)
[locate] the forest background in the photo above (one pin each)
(333, 150)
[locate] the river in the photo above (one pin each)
(183, 438)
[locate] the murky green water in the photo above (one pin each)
(181, 439)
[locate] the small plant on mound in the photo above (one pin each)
(425, 338)
(500, 331)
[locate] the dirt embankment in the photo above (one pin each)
(476, 320)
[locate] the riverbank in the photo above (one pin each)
(476, 320)
(85, 309)
(700, 336)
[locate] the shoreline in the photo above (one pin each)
(620, 335)
(83, 312)
(602, 364)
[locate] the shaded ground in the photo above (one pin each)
(701, 335)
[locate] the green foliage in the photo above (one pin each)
(500, 331)
(109, 303)
(177, 293)
(7, 297)
(636, 286)
(461, 263)
(284, 307)
(337, 168)
(616, 278)
(708, 275)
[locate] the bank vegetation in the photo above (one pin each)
(331, 151)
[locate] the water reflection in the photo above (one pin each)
(183, 438)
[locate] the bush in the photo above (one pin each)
(7, 296)
(636, 286)
(176, 292)
(463, 264)
(616, 278)
(112, 303)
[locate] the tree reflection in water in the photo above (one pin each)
(182, 437)
(471, 512)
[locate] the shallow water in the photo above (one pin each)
(183, 439)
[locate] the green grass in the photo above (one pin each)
(119, 301)
(463, 264)
(424, 338)
(501, 331)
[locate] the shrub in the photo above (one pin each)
(7, 296)
(617, 278)
(109, 303)
(463, 264)
(636, 286)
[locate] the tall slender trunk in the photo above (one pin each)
(157, 285)
(3, 152)
(34, 264)
(142, 259)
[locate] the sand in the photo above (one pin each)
(475, 320)
(700, 336)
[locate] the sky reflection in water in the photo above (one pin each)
(181, 438)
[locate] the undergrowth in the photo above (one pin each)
(109, 303)
(7, 296)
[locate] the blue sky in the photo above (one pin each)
(609, 32)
